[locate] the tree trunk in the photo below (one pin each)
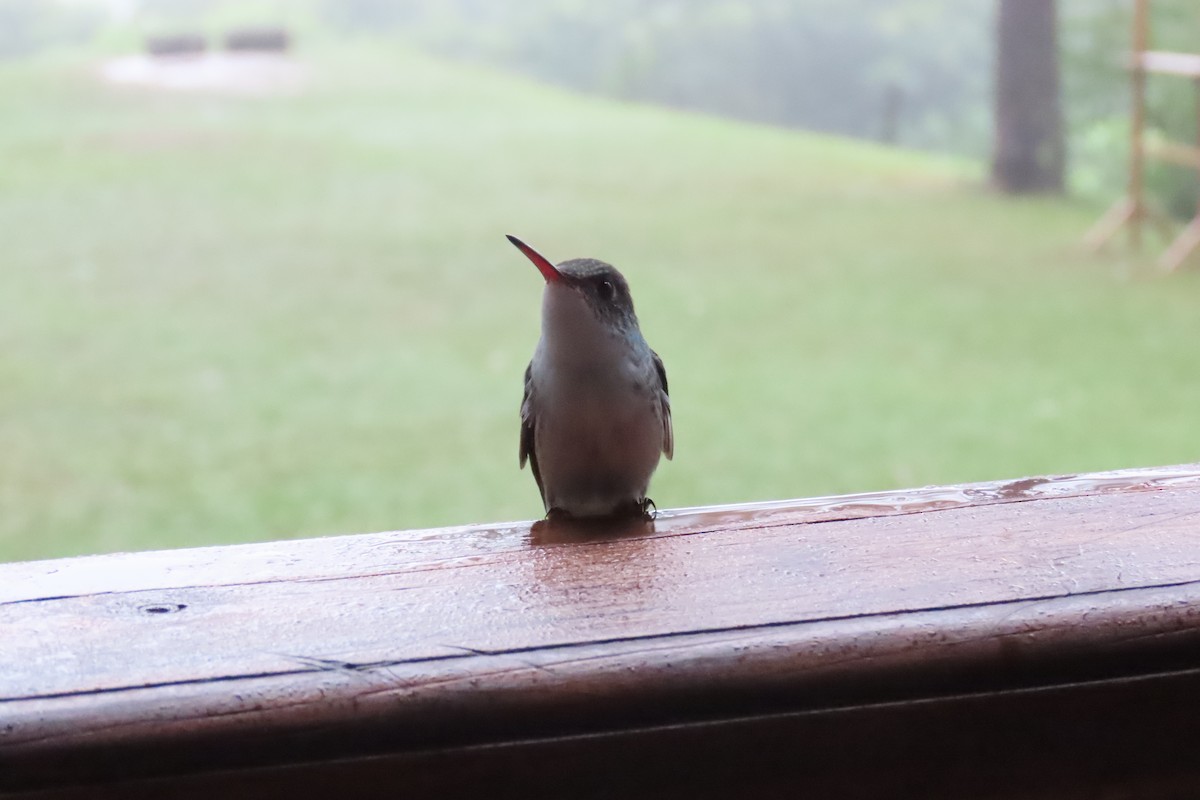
(1029, 150)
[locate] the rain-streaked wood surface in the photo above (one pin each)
(973, 617)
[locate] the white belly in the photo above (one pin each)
(597, 446)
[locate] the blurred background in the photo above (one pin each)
(254, 282)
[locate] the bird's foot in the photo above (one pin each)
(644, 509)
(648, 510)
(557, 514)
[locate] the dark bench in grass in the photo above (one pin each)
(1035, 639)
(183, 44)
(266, 39)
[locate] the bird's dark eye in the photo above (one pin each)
(607, 290)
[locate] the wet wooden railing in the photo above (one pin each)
(1035, 638)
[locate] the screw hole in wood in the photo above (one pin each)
(162, 608)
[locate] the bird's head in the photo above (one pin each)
(601, 286)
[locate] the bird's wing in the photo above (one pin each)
(664, 401)
(527, 450)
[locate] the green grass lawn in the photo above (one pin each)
(227, 319)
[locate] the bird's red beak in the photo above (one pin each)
(548, 270)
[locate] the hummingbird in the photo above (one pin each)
(596, 415)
